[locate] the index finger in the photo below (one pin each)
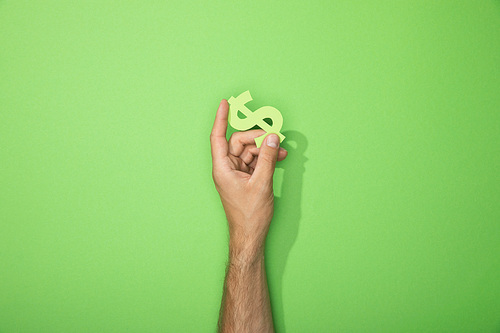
(218, 136)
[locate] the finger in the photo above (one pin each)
(239, 140)
(218, 140)
(266, 162)
(239, 164)
(244, 168)
(282, 154)
(253, 164)
(249, 153)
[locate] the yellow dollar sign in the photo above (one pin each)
(254, 118)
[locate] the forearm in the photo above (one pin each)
(245, 305)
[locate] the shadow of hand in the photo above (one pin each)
(285, 225)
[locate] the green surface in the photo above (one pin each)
(388, 218)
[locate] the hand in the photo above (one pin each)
(243, 176)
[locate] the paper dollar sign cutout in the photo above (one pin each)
(254, 118)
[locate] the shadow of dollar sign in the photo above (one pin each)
(254, 117)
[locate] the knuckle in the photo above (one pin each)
(234, 138)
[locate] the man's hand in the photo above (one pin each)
(243, 176)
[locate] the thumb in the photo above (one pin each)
(266, 161)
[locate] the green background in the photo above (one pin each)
(387, 217)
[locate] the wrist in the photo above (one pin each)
(245, 253)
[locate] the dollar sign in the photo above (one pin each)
(254, 118)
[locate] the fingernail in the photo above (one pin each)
(272, 141)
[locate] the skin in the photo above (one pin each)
(243, 176)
